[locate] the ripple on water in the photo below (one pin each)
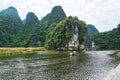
(90, 66)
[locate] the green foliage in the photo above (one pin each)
(10, 25)
(118, 54)
(30, 24)
(36, 38)
(58, 35)
(32, 33)
(55, 16)
(108, 40)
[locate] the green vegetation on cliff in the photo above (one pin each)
(10, 25)
(31, 22)
(32, 32)
(57, 14)
(59, 35)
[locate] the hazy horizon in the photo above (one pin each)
(104, 15)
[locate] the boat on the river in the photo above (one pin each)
(73, 53)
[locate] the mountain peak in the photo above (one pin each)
(92, 28)
(57, 14)
(9, 10)
(31, 14)
(12, 8)
(58, 10)
(12, 13)
(31, 18)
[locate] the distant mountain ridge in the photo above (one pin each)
(14, 32)
(91, 30)
(32, 32)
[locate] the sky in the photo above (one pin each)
(103, 14)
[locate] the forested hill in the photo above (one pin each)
(10, 25)
(30, 23)
(57, 14)
(33, 32)
(67, 34)
(91, 30)
(30, 32)
(109, 39)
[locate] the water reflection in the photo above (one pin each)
(89, 66)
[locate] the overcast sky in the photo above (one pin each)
(103, 14)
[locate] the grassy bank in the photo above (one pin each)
(21, 51)
(118, 54)
(8, 52)
(64, 51)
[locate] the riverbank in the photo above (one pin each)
(19, 51)
(113, 74)
(118, 54)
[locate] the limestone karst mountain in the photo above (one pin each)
(34, 32)
(67, 34)
(57, 14)
(10, 25)
(91, 30)
(30, 23)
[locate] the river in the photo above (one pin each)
(93, 65)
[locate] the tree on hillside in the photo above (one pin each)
(109, 39)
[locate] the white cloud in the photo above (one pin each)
(104, 14)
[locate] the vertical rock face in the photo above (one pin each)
(74, 39)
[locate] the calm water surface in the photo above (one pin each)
(93, 65)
